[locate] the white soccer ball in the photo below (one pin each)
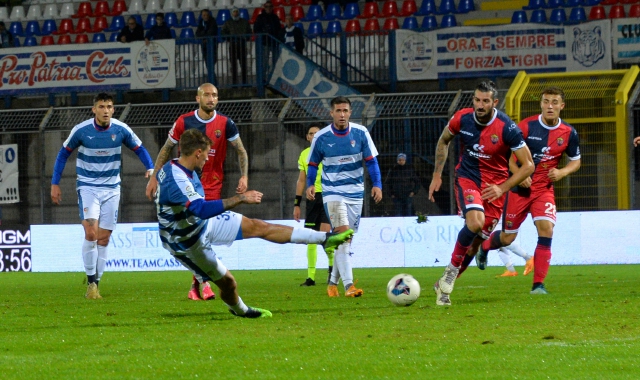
(403, 290)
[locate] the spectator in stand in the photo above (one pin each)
(6, 39)
(160, 31)
(403, 185)
(132, 31)
(292, 35)
(239, 30)
(268, 23)
(208, 30)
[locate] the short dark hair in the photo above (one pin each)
(160, 14)
(340, 100)
(553, 90)
(488, 86)
(317, 124)
(103, 96)
(132, 18)
(192, 140)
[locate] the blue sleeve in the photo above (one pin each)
(573, 148)
(512, 136)
(206, 209)
(312, 173)
(374, 172)
(231, 130)
(144, 156)
(58, 168)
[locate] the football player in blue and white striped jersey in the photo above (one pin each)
(99, 142)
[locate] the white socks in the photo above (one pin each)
(342, 262)
(90, 256)
(506, 259)
(515, 248)
(102, 261)
(240, 308)
(307, 236)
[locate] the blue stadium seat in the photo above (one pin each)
(351, 11)
(117, 23)
(173, 33)
(16, 29)
(333, 12)
(535, 4)
(171, 19)
(32, 29)
(447, 6)
(558, 16)
(466, 6)
(448, 21)
(428, 7)
(590, 3)
(98, 38)
(577, 16)
(315, 29)
(299, 25)
(519, 17)
(139, 19)
(574, 3)
(313, 14)
(244, 13)
(555, 4)
(30, 41)
(539, 16)
(334, 27)
(429, 23)
(113, 37)
(223, 16)
(410, 23)
(16, 42)
(151, 21)
(186, 37)
(188, 19)
(48, 27)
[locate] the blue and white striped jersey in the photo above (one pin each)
(99, 152)
(341, 156)
(180, 229)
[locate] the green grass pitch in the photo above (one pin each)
(145, 327)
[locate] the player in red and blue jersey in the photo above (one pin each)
(220, 129)
(487, 138)
(548, 137)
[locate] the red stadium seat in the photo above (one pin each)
(634, 11)
(100, 24)
(102, 9)
(256, 13)
(353, 26)
(409, 7)
(279, 11)
(277, 3)
(297, 12)
(65, 39)
(84, 10)
(84, 26)
(608, 2)
(597, 13)
(119, 7)
(370, 10)
(81, 39)
(372, 25)
(617, 11)
(306, 2)
(391, 24)
(389, 9)
(66, 27)
(47, 40)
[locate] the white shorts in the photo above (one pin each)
(201, 259)
(99, 204)
(343, 214)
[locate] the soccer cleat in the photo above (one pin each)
(308, 282)
(442, 299)
(448, 279)
(207, 292)
(333, 240)
(254, 312)
(332, 291)
(92, 292)
(509, 273)
(528, 267)
(194, 294)
(538, 289)
(353, 291)
(481, 258)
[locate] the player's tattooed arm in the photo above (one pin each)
(243, 157)
(442, 150)
(164, 155)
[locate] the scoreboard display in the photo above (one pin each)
(15, 249)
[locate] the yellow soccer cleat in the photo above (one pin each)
(332, 291)
(528, 267)
(508, 273)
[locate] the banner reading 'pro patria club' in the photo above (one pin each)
(87, 67)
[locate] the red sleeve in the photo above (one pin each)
(177, 129)
(454, 123)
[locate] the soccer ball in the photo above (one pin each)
(403, 290)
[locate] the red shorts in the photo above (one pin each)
(469, 197)
(541, 205)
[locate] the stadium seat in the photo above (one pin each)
(171, 19)
(32, 29)
(170, 6)
(256, 13)
(558, 16)
(429, 23)
(4, 14)
(244, 13)
(597, 13)
(315, 29)
(370, 10)
(389, 9)
(119, 7)
(352, 26)
(293, 2)
(138, 19)
(410, 23)
(351, 11)
(608, 2)
(188, 19)
(173, 33)
(81, 39)
(151, 21)
(84, 10)
(100, 24)
(333, 12)
(278, 11)
(591, 3)
(334, 27)
(226, 4)
(17, 13)
(64, 39)
(135, 7)
(448, 21)
(391, 24)
(117, 23)
(16, 29)
(555, 4)
(48, 27)
(84, 26)
(297, 12)
(102, 9)
(634, 11)
(66, 27)
(113, 37)
(573, 3)
(223, 16)
(539, 16)
(299, 25)
(577, 15)
(519, 17)
(628, 1)
(98, 38)
(466, 6)
(46, 40)
(313, 13)
(535, 4)
(408, 8)
(67, 10)
(50, 12)
(372, 25)
(153, 6)
(306, 2)
(186, 37)
(276, 3)
(205, 4)
(30, 41)
(446, 7)
(617, 11)
(34, 13)
(428, 7)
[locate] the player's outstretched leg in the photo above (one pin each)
(334, 239)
